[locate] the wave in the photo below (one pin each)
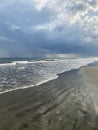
(25, 62)
(38, 71)
(30, 86)
(47, 61)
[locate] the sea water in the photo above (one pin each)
(22, 74)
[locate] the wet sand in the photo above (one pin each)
(67, 103)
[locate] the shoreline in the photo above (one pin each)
(42, 82)
(48, 80)
(68, 102)
(26, 87)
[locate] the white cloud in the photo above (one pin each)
(64, 13)
(47, 26)
(40, 4)
(68, 11)
(14, 27)
(90, 27)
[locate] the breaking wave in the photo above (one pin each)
(25, 74)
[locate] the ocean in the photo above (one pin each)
(25, 73)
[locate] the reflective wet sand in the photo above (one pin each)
(67, 103)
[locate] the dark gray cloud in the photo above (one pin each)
(37, 28)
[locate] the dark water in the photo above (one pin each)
(10, 60)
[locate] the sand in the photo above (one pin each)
(67, 103)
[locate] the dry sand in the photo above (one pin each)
(67, 103)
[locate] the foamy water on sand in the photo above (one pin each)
(24, 74)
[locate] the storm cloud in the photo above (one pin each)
(36, 28)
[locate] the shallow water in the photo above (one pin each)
(24, 74)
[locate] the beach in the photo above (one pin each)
(69, 102)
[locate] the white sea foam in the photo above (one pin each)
(26, 74)
(89, 60)
(25, 62)
(14, 63)
(8, 64)
(20, 62)
(30, 86)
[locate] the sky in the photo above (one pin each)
(46, 28)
